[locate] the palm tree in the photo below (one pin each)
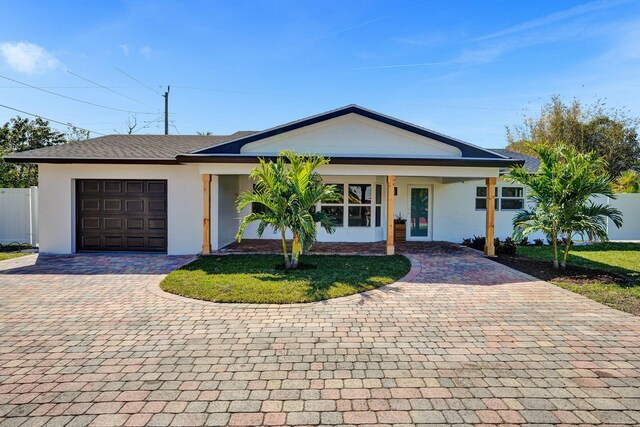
(288, 191)
(561, 196)
(628, 182)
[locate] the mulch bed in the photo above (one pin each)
(572, 275)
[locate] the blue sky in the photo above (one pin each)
(464, 68)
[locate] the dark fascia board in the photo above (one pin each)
(199, 158)
(90, 160)
(400, 161)
(234, 146)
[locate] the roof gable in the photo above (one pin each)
(351, 135)
(235, 147)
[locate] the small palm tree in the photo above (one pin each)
(288, 191)
(561, 196)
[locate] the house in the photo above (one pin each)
(176, 194)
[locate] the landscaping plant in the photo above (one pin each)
(288, 191)
(561, 196)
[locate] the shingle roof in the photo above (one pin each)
(531, 164)
(133, 147)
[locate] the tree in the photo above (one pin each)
(608, 132)
(74, 134)
(561, 195)
(287, 192)
(628, 182)
(20, 134)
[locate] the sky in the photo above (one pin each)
(463, 68)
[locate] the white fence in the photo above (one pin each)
(19, 215)
(629, 205)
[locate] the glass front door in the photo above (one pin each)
(419, 220)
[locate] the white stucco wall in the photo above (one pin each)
(57, 202)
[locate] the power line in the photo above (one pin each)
(149, 123)
(173, 123)
(67, 87)
(51, 120)
(73, 99)
(107, 88)
(138, 81)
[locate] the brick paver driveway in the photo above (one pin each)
(463, 341)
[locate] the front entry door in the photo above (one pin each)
(419, 224)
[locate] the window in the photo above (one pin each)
(507, 198)
(356, 206)
(512, 198)
(481, 198)
(336, 209)
(359, 204)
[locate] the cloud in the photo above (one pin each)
(555, 17)
(29, 58)
(146, 51)
(125, 49)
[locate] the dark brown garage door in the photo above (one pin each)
(121, 215)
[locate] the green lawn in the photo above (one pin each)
(619, 258)
(253, 278)
(10, 255)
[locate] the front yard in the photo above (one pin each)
(10, 255)
(607, 272)
(255, 278)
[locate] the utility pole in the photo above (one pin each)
(166, 110)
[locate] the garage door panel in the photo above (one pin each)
(121, 215)
(112, 224)
(135, 223)
(134, 205)
(157, 242)
(157, 187)
(90, 204)
(113, 186)
(155, 205)
(157, 224)
(90, 186)
(112, 205)
(91, 223)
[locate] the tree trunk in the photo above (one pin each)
(567, 246)
(287, 263)
(295, 251)
(554, 242)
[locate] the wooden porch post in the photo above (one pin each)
(489, 246)
(391, 183)
(206, 214)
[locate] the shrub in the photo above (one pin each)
(538, 242)
(524, 241)
(508, 246)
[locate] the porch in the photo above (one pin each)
(436, 208)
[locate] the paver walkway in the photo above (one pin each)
(463, 341)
